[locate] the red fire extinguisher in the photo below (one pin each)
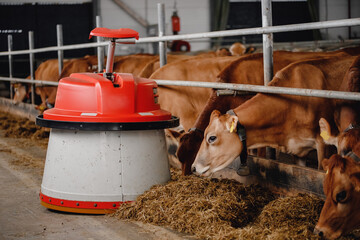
(175, 20)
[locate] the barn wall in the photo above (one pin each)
(194, 17)
(338, 9)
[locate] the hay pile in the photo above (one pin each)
(21, 128)
(225, 209)
(285, 218)
(208, 209)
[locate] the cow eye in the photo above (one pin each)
(341, 196)
(212, 139)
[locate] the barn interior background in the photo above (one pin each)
(79, 17)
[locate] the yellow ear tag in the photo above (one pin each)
(325, 135)
(327, 172)
(232, 126)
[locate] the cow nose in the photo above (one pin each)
(193, 169)
(318, 232)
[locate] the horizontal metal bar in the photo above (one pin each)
(225, 33)
(258, 30)
(49, 49)
(24, 80)
(266, 89)
(237, 87)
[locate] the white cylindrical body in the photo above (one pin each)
(104, 165)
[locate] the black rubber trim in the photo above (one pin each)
(107, 126)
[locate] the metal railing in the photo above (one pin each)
(162, 44)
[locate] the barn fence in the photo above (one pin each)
(267, 30)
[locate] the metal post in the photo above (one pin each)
(161, 28)
(32, 59)
(110, 60)
(10, 47)
(267, 41)
(100, 49)
(59, 34)
(267, 54)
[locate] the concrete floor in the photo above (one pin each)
(22, 216)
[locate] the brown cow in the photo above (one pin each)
(275, 120)
(245, 70)
(341, 211)
(154, 65)
(184, 102)
(49, 71)
(133, 64)
(347, 117)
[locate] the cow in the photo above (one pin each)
(286, 121)
(186, 103)
(133, 64)
(341, 211)
(346, 117)
(237, 49)
(154, 65)
(183, 102)
(246, 70)
(49, 71)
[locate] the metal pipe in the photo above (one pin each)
(32, 65)
(267, 41)
(265, 89)
(267, 54)
(225, 33)
(24, 80)
(59, 35)
(161, 28)
(349, 16)
(237, 87)
(100, 49)
(110, 57)
(10, 47)
(258, 30)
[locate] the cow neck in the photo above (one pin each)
(260, 118)
(240, 129)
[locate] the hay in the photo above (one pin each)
(286, 218)
(225, 209)
(208, 209)
(21, 128)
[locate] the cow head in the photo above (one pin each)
(220, 146)
(346, 120)
(172, 137)
(341, 211)
(19, 93)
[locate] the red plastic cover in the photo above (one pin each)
(114, 33)
(89, 97)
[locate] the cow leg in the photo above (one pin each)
(52, 96)
(40, 91)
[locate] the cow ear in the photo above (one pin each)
(231, 123)
(173, 133)
(325, 164)
(355, 178)
(325, 132)
(214, 113)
